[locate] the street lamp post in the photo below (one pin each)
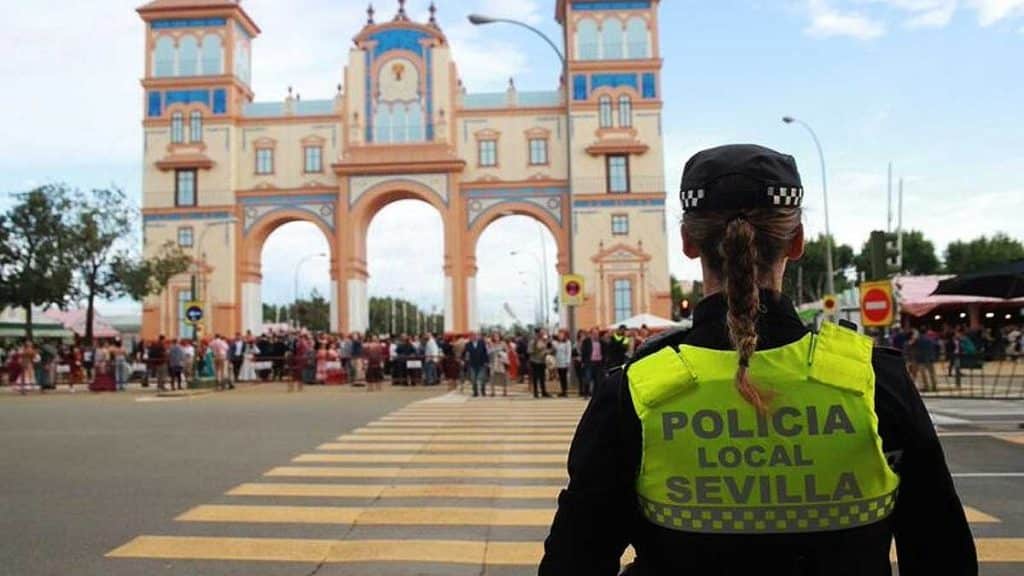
(295, 298)
(481, 20)
(195, 265)
(830, 284)
(542, 280)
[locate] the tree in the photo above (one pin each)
(138, 278)
(919, 256)
(314, 313)
(37, 259)
(814, 274)
(100, 220)
(981, 253)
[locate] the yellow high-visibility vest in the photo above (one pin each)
(713, 464)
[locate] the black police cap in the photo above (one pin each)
(740, 177)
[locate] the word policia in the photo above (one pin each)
(747, 452)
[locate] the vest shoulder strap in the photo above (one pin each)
(658, 377)
(842, 358)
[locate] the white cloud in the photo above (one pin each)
(922, 13)
(992, 11)
(827, 21)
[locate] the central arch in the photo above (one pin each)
(364, 209)
(250, 272)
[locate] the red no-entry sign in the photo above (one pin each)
(876, 307)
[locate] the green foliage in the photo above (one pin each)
(814, 271)
(37, 264)
(100, 220)
(404, 315)
(981, 253)
(139, 278)
(919, 256)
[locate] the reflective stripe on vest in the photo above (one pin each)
(712, 464)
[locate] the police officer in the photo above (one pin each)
(748, 444)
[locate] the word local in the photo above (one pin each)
(766, 488)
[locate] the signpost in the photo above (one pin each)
(194, 313)
(572, 290)
(876, 304)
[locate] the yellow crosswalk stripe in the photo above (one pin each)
(374, 491)
(377, 516)
(975, 516)
(462, 438)
(454, 425)
(380, 472)
(473, 424)
(450, 430)
(994, 550)
(498, 446)
(1013, 438)
(431, 458)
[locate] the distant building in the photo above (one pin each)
(401, 126)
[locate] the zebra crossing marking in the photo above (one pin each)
(371, 516)
(383, 492)
(440, 473)
(365, 458)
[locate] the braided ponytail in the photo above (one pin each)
(740, 274)
(743, 247)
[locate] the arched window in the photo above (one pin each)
(415, 123)
(604, 106)
(399, 123)
(163, 57)
(636, 39)
(242, 67)
(625, 111)
(195, 126)
(177, 128)
(382, 123)
(612, 38)
(213, 56)
(188, 56)
(587, 40)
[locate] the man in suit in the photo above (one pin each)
(237, 355)
(476, 359)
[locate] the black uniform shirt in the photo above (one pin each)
(598, 515)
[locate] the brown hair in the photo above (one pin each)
(743, 247)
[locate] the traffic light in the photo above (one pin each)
(684, 309)
(886, 257)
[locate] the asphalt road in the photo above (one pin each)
(233, 483)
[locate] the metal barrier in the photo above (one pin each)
(972, 376)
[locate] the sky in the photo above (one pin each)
(932, 86)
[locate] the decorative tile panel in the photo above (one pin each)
(360, 185)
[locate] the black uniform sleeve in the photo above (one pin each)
(932, 533)
(597, 512)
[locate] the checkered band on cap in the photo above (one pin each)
(691, 198)
(780, 519)
(788, 197)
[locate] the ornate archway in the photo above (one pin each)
(257, 226)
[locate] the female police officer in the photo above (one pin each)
(749, 445)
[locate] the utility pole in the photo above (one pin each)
(899, 227)
(888, 204)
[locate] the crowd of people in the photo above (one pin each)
(956, 347)
(298, 357)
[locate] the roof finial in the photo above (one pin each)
(433, 14)
(369, 14)
(401, 16)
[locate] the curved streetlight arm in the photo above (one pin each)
(480, 20)
(830, 280)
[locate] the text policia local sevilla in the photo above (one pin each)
(775, 486)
